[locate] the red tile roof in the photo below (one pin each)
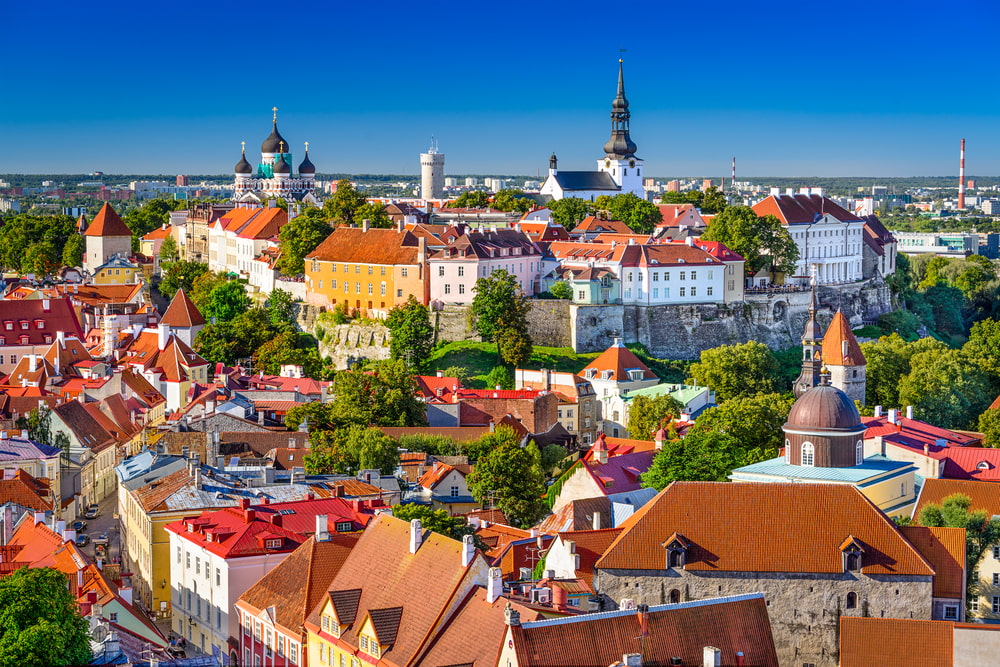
(733, 624)
(799, 209)
(621, 473)
(436, 475)
(107, 223)
(895, 642)
(54, 315)
(383, 247)
(618, 359)
(592, 225)
(161, 232)
(437, 389)
(758, 539)
(944, 548)
(915, 433)
(182, 313)
(840, 347)
(719, 250)
(22, 489)
(265, 225)
(984, 495)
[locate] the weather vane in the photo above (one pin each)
(620, 52)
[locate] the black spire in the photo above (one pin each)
(243, 167)
(274, 143)
(620, 145)
(812, 351)
(553, 161)
(307, 167)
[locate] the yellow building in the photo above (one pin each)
(118, 271)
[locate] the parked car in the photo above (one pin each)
(92, 512)
(79, 526)
(82, 540)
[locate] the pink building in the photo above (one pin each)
(477, 254)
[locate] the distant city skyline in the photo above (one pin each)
(790, 91)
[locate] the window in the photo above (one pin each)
(694, 275)
(461, 271)
(357, 288)
(996, 604)
(347, 287)
(403, 272)
(343, 526)
(272, 544)
(114, 617)
(369, 289)
(293, 653)
(218, 577)
(381, 289)
(694, 291)
(187, 560)
(656, 293)
(675, 596)
(581, 295)
(682, 275)
(326, 622)
(974, 605)
(709, 275)
(267, 643)
(996, 578)
(441, 270)
(951, 612)
(197, 565)
(399, 293)
(454, 492)
(853, 561)
(682, 291)
(357, 268)
(178, 555)
(281, 645)
(859, 458)
(807, 454)
(363, 641)
(461, 288)
(218, 618)
(656, 276)
(996, 553)
(852, 600)
(374, 651)
(333, 284)
(447, 288)
(370, 269)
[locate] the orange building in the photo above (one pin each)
(371, 270)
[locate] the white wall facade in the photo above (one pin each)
(676, 283)
(453, 280)
(829, 249)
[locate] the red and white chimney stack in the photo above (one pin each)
(961, 178)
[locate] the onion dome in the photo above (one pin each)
(274, 143)
(825, 408)
(620, 145)
(243, 167)
(307, 167)
(281, 167)
(553, 161)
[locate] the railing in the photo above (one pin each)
(776, 289)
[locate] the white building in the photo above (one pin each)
(242, 241)
(455, 269)
(273, 176)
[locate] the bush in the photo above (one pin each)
(561, 290)
(339, 314)
(500, 376)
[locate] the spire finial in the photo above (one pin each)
(307, 147)
(281, 146)
(243, 147)
(274, 110)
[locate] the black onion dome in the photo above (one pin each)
(620, 145)
(824, 407)
(281, 167)
(243, 167)
(274, 142)
(307, 167)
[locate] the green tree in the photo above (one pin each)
(983, 347)
(700, 457)
(762, 241)
(328, 454)
(228, 342)
(40, 622)
(511, 200)
(647, 415)
(288, 349)
(299, 237)
(570, 211)
(180, 275)
(42, 259)
(72, 254)
(942, 386)
(372, 449)
(383, 396)
(508, 477)
(503, 436)
(471, 199)
(741, 369)
(438, 521)
(375, 214)
(411, 336)
(319, 416)
(561, 290)
(152, 215)
(227, 301)
(280, 308)
(752, 421)
(344, 203)
(640, 215)
(500, 315)
(168, 250)
(44, 236)
(499, 376)
(981, 532)
(989, 426)
(714, 201)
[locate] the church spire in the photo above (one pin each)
(812, 350)
(620, 145)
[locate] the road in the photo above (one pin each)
(104, 523)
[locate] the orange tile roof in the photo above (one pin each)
(182, 312)
(590, 546)
(435, 475)
(300, 581)
(984, 495)
(577, 515)
(265, 224)
(944, 548)
(160, 232)
(27, 491)
(618, 359)
(840, 347)
(895, 642)
(107, 223)
(498, 537)
(756, 538)
(592, 224)
(236, 219)
(384, 247)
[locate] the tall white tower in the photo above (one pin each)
(432, 173)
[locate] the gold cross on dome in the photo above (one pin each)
(243, 145)
(275, 111)
(307, 147)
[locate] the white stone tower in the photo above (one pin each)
(432, 173)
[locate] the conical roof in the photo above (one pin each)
(620, 145)
(307, 167)
(274, 141)
(243, 167)
(182, 313)
(619, 360)
(840, 347)
(107, 223)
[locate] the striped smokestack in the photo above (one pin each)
(961, 178)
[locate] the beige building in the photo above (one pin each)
(577, 411)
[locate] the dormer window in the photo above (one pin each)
(8, 325)
(272, 544)
(606, 375)
(635, 375)
(852, 552)
(39, 324)
(25, 325)
(983, 465)
(676, 547)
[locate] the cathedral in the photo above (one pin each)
(618, 172)
(273, 177)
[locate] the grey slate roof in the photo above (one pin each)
(586, 180)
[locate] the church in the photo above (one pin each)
(273, 176)
(618, 172)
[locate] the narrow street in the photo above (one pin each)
(104, 523)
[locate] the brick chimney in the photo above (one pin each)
(712, 657)
(416, 535)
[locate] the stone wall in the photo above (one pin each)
(804, 609)
(348, 344)
(547, 322)
(452, 323)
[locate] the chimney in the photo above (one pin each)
(909, 412)
(125, 593)
(322, 528)
(439, 373)
(209, 407)
(24, 434)
(293, 443)
(494, 585)
(927, 449)
(416, 535)
(712, 657)
(162, 335)
(39, 517)
(32, 363)
(961, 176)
(47, 305)
(878, 410)
(61, 339)
(740, 661)
(365, 225)
(59, 527)
(689, 241)
(400, 226)
(468, 550)
(558, 597)
(244, 503)
(632, 660)
(597, 521)
(339, 491)
(893, 416)
(276, 519)
(69, 535)
(249, 516)
(511, 616)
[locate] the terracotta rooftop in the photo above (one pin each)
(382, 247)
(182, 313)
(756, 538)
(619, 360)
(594, 225)
(107, 223)
(801, 209)
(20, 488)
(944, 548)
(984, 495)
(840, 347)
(895, 642)
(19, 319)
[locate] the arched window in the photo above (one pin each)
(852, 600)
(788, 451)
(860, 453)
(808, 454)
(675, 596)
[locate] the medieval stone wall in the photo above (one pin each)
(348, 344)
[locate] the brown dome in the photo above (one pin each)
(824, 407)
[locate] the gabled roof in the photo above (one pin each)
(85, 426)
(161, 232)
(107, 223)
(984, 495)
(586, 180)
(802, 209)
(182, 313)
(621, 473)
(300, 581)
(732, 624)
(383, 247)
(22, 489)
(888, 642)
(756, 538)
(618, 359)
(840, 347)
(266, 224)
(54, 314)
(594, 225)
(719, 250)
(437, 473)
(944, 548)
(22, 449)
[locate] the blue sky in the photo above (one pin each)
(827, 89)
